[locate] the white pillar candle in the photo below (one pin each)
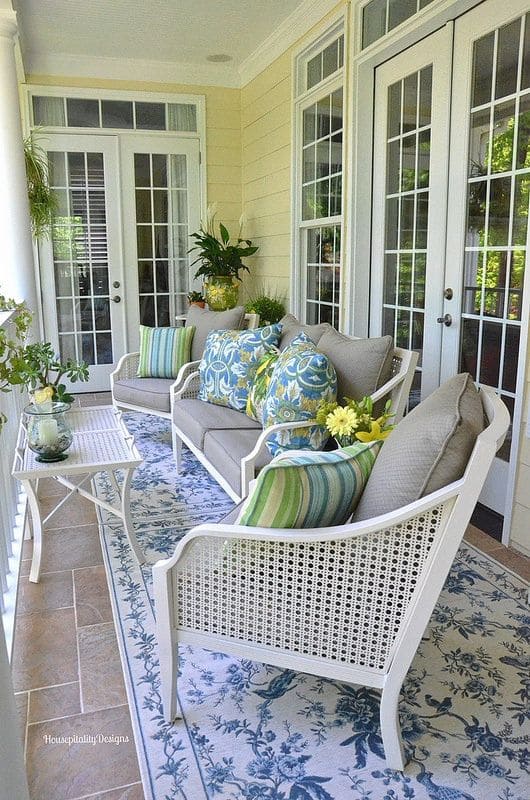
(48, 431)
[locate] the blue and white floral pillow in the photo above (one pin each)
(229, 362)
(303, 378)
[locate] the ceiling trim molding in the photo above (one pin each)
(296, 25)
(122, 69)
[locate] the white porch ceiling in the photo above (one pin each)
(138, 38)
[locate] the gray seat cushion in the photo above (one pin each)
(362, 365)
(206, 321)
(195, 417)
(149, 393)
(427, 450)
(291, 328)
(224, 449)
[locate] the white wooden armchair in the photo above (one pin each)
(349, 603)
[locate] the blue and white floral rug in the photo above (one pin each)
(260, 733)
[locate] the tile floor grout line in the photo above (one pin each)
(77, 714)
(113, 789)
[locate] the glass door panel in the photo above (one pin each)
(161, 209)
(409, 204)
(80, 261)
(486, 258)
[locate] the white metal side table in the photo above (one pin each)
(101, 443)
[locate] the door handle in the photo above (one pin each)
(445, 320)
(116, 299)
(116, 284)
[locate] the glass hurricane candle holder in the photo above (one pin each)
(47, 430)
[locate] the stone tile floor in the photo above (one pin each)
(66, 665)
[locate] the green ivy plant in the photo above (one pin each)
(42, 201)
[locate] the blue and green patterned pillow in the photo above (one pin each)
(310, 490)
(229, 362)
(257, 393)
(163, 351)
(303, 378)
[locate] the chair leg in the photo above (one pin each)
(177, 448)
(390, 728)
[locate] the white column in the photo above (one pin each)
(17, 274)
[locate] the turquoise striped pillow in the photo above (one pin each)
(163, 351)
(310, 490)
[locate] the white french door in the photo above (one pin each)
(450, 232)
(118, 251)
(81, 261)
(410, 195)
(161, 208)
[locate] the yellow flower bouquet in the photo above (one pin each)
(354, 421)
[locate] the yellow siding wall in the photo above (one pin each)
(266, 173)
(223, 134)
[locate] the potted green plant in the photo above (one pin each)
(196, 299)
(271, 308)
(221, 261)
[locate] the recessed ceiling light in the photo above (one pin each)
(218, 57)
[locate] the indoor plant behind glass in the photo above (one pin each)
(220, 262)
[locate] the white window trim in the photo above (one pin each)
(301, 99)
(198, 100)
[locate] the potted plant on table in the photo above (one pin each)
(196, 299)
(220, 261)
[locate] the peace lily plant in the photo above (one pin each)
(354, 421)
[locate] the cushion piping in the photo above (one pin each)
(447, 440)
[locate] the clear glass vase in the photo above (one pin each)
(47, 430)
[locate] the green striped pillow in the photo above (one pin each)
(163, 351)
(310, 489)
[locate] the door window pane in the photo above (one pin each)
(162, 236)
(406, 209)
(82, 113)
(498, 197)
(150, 116)
(117, 114)
(80, 253)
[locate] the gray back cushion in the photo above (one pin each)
(206, 321)
(362, 365)
(291, 328)
(427, 450)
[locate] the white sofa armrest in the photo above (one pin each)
(248, 464)
(126, 367)
(187, 384)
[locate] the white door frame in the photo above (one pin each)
(108, 145)
(357, 242)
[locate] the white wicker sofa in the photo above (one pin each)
(232, 446)
(349, 602)
(157, 395)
